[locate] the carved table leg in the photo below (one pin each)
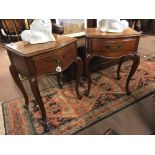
(87, 60)
(136, 60)
(36, 93)
(84, 62)
(16, 78)
(58, 80)
(119, 68)
(78, 75)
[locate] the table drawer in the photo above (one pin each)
(110, 45)
(47, 63)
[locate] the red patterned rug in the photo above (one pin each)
(69, 115)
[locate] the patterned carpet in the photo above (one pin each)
(68, 115)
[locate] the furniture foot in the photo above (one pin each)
(17, 80)
(78, 75)
(35, 107)
(36, 93)
(136, 61)
(47, 126)
(25, 106)
(119, 68)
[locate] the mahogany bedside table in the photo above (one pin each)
(112, 46)
(35, 60)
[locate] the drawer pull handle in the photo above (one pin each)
(54, 60)
(113, 48)
(64, 56)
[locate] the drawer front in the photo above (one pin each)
(113, 47)
(47, 63)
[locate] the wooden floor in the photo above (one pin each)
(136, 119)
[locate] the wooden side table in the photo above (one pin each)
(35, 60)
(112, 46)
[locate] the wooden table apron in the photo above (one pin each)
(35, 60)
(112, 46)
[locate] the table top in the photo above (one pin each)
(27, 50)
(97, 33)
